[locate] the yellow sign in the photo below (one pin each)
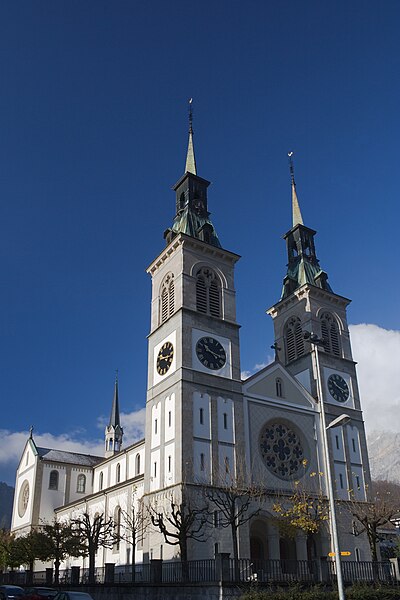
(341, 554)
(332, 554)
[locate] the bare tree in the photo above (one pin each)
(93, 532)
(179, 520)
(372, 516)
(237, 501)
(136, 521)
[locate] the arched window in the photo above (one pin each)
(294, 343)
(208, 292)
(53, 480)
(137, 464)
(279, 387)
(117, 528)
(167, 307)
(330, 334)
(81, 484)
(101, 480)
(118, 473)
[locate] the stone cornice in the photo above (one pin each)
(306, 291)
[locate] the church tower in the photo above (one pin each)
(114, 431)
(194, 402)
(309, 305)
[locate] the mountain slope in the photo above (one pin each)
(384, 455)
(6, 505)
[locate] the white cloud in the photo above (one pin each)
(377, 353)
(257, 367)
(12, 442)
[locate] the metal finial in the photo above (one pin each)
(31, 432)
(190, 115)
(291, 166)
(116, 375)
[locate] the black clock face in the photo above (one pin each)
(338, 388)
(164, 358)
(210, 353)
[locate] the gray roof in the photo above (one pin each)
(72, 458)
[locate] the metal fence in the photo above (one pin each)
(213, 570)
(368, 572)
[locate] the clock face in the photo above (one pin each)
(164, 358)
(338, 388)
(211, 353)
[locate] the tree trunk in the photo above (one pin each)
(133, 567)
(92, 562)
(184, 559)
(56, 571)
(235, 552)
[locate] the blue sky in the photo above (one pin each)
(93, 134)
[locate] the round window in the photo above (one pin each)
(23, 499)
(282, 450)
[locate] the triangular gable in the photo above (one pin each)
(263, 385)
(30, 449)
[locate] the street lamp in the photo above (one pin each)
(315, 341)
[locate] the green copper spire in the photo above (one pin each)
(303, 264)
(190, 166)
(192, 217)
(296, 212)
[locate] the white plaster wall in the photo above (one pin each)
(202, 447)
(226, 469)
(201, 402)
(155, 468)
(353, 441)
(358, 483)
(169, 418)
(25, 473)
(132, 471)
(169, 464)
(155, 425)
(340, 474)
(337, 445)
(225, 407)
(304, 378)
(73, 493)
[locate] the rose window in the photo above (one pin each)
(281, 450)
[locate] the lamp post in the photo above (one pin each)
(315, 341)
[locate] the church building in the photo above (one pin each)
(205, 426)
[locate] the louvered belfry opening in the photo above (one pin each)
(294, 342)
(208, 292)
(167, 298)
(330, 334)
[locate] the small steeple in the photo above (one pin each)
(190, 166)
(303, 265)
(114, 431)
(297, 218)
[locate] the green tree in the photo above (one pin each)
(26, 549)
(6, 540)
(59, 542)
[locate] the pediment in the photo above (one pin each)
(264, 385)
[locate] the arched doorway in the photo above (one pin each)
(258, 540)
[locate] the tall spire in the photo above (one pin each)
(190, 166)
(114, 417)
(297, 218)
(114, 431)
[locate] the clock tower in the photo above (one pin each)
(309, 305)
(194, 415)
